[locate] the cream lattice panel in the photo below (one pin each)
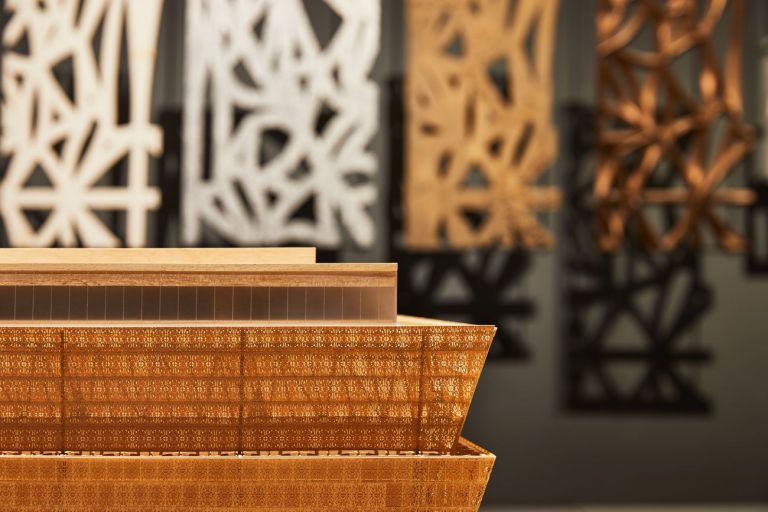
(480, 133)
(291, 116)
(663, 142)
(68, 140)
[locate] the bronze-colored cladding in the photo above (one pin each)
(31, 389)
(240, 388)
(480, 134)
(335, 481)
(652, 127)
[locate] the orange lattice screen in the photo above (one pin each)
(664, 142)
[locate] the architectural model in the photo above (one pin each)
(240, 378)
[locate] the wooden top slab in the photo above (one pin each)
(126, 259)
(401, 321)
(186, 267)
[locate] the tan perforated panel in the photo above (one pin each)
(480, 135)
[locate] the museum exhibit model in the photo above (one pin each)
(212, 379)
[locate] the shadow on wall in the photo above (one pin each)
(757, 231)
(629, 334)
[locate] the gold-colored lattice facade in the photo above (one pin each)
(667, 142)
(337, 481)
(133, 389)
(160, 390)
(479, 122)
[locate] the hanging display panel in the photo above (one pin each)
(671, 127)
(279, 113)
(77, 136)
(479, 115)
(631, 322)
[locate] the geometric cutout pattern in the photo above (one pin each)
(631, 317)
(480, 133)
(301, 481)
(631, 345)
(76, 130)
(665, 140)
(279, 112)
(199, 389)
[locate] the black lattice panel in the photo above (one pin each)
(630, 319)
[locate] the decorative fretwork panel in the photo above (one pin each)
(480, 131)
(664, 139)
(631, 319)
(279, 112)
(200, 389)
(484, 286)
(76, 135)
(632, 335)
(302, 481)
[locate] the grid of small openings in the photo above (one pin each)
(196, 303)
(293, 480)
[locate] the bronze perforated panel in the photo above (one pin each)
(284, 481)
(666, 141)
(31, 389)
(237, 389)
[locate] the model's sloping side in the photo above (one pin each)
(286, 481)
(238, 388)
